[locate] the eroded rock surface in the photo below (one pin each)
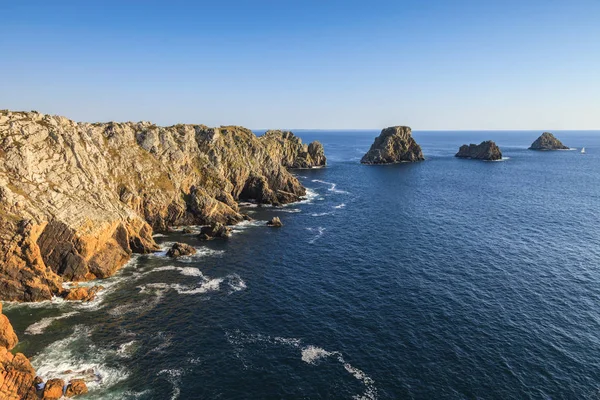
(487, 150)
(547, 141)
(215, 231)
(77, 199)
(275, 222)
(394, 145)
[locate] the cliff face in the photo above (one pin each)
(76, 199)
(393, 145)
(289, 148)
(487, 150)
(547, 141)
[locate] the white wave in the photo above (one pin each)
(310, 354)
(286, 210)
(308, 197)
(165, 342)
(332, 186)
(159, 235)
(40, 326)
(174, 378)
(126, 349)
(187, 271)
(339, 206)
(320, 231)
(77, 357)
(235, 283)
(320, 214)
(242, 226)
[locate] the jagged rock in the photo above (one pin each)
(53, 389)
(291, 150)
(8, 337)
(547, 141)
(275, 222)
(16, 373)
(180, 249)
(76, 387)
(214, 231)
(83, 293)
(77, 199)
(487, 150)
(395, 144)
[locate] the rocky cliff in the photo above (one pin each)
(487, 150)
(547, 141)
(77, 199)
(393, 145)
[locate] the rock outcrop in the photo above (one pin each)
(82, 293)
(214, 231)
(487, 150)
(77, 199)
(287, 147)
(275, 222)
(180, 249)
(547, 141)
(394, 145)
(76, 387)
(16, 373)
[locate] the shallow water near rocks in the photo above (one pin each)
(444, 279)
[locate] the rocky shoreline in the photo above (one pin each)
(77, 199)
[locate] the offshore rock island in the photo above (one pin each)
(393, 145)
(547, 141)
(77, 199)
(487, 150)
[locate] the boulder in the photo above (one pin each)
(275, 222)
(180, 249)
(187, 231)
(214, 231)
(53, 389)
(487, 150)
(394, 145)
(83, 293)
(547, 141)
(76, 387)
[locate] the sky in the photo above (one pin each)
(324, 64)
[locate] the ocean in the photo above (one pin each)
(444, 279)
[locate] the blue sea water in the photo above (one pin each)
(444, 279)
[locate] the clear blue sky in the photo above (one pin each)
(458, 64)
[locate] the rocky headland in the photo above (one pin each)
(547, 141)
(77, 199)
(487, 150)
(394, 145)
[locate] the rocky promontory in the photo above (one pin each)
(547, 141)
(77, 199)
(394, 145)
(487, 150)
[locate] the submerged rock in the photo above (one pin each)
(547, 141)
(214, 231)
(187, 231)
(275, 222)
(395, 144)
(180, 249)
(487, 150)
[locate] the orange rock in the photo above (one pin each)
(8, 338)
(76, 387)
(16, 377)
(83, 293)
(53, 389)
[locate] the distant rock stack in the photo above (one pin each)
(547, 141)
(394, 145)
(487, 150)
